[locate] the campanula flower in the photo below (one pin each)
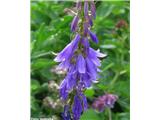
(74, 23)
(93, 36)
(81, 63)
(77, 108)
(85, 8)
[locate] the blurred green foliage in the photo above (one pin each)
(50, 33)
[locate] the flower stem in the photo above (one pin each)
(109, 114)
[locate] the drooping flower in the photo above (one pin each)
(77, 108)
(68, 83)
(81, 65)
(93, 36)
(85, 8)
(68, 51)
(74, 23)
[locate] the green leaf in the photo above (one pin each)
(35, 85)
(90, 114)
(89, 92)
(42, 63)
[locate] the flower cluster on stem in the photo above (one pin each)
(80, 60)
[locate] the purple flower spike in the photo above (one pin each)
(74, 23)
(86, 8)
(93, 9)
(81, 65)
(77, 108)
(93, 37)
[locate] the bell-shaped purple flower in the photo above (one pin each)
(74, 23)
(90, 21)
(86, 79)
(97, 53)
(77, 108)
(93, 36)
(86, 8)
(81, 65)
(84, 99)
(68, 51)
(91, 69)
(64, 89)
(68, 83)
(93, 57)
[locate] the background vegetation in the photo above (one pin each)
(50, 32)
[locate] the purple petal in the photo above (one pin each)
(64, 53)
(74, 23)
(81, 65)
(75, 42)
(68, 51)
(93, 37)
(86, 79)
(77, 108)
(98, 54)
(71, 81)
(63, 90)
(93, 56)
(96, 61)
(85, 105)
(86, 8)
(91, 69)
(64, 65)
(90, 21)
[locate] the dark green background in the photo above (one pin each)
(50, 33)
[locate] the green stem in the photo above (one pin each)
(113, 81)
(109, 114)
(43, 54)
